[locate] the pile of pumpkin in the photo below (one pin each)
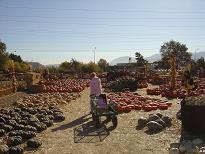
(127, 101)
(167, 92)
(142, 85)
(195, 146)
(155, 122)
(21, 125)
(46, 99)
(64, 85)
(178, 92)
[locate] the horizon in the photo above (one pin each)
(50, 32)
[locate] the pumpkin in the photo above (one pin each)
(163, 107)
(142, 122)
(40, 127)
(28, 134)
(7, 128)
(153, 117)
(147, 108)
(34, 143)
(59, 117)
(128, 109)
(50, 117)
(13, 141)
(167, 120)
(2, 120)
(13, 133)
(48, 123)
(16, 109)
(154, 126)
(2, 132)
(15, 150)
(19, 127)
(169, 104)
(30, 128)
(23, 122)
(4, 149)
(138, 107)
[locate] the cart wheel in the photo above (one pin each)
(93, 117)
(114, 121)
(97, 121)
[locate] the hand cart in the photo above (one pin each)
(110, 112)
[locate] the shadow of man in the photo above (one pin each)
(73, 123)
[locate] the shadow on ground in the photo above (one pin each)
(71, 124)
(88, 133)
(85, 130)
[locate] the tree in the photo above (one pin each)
(21, 67)
(103, 64)
(15, 58)
(90, 67)
(75, 65)
(140, 59)
(2, 47)
(65, 67)
(173, 48)
(200, 63)
(3, 59)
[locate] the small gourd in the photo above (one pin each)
(174, 151)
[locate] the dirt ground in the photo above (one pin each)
(76, 135)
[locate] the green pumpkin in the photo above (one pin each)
(16, 150)
(34, 143)
(2, 132)
(4, 149)
(15, 140)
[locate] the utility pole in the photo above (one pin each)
(94, 54)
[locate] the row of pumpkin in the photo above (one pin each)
(178, 92)
(127, 101)
(20, 125)
(64, 85)
(46, 99)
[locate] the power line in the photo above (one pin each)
(143, 37)
(36, 31)
(100, 24)
(96, 10)
(110, 18)
(81, 50)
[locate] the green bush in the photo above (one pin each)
(125, 83)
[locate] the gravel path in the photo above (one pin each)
(76, 134)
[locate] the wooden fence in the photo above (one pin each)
(6, 87)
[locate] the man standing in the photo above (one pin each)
(95, 85)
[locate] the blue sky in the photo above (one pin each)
(51, 31)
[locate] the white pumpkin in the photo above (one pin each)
(174, 151)
(182, 148)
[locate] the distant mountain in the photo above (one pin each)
(36, 65)
(156, 57)
(198, 55)
(52, 65)
(124, 59)
(153, 58)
